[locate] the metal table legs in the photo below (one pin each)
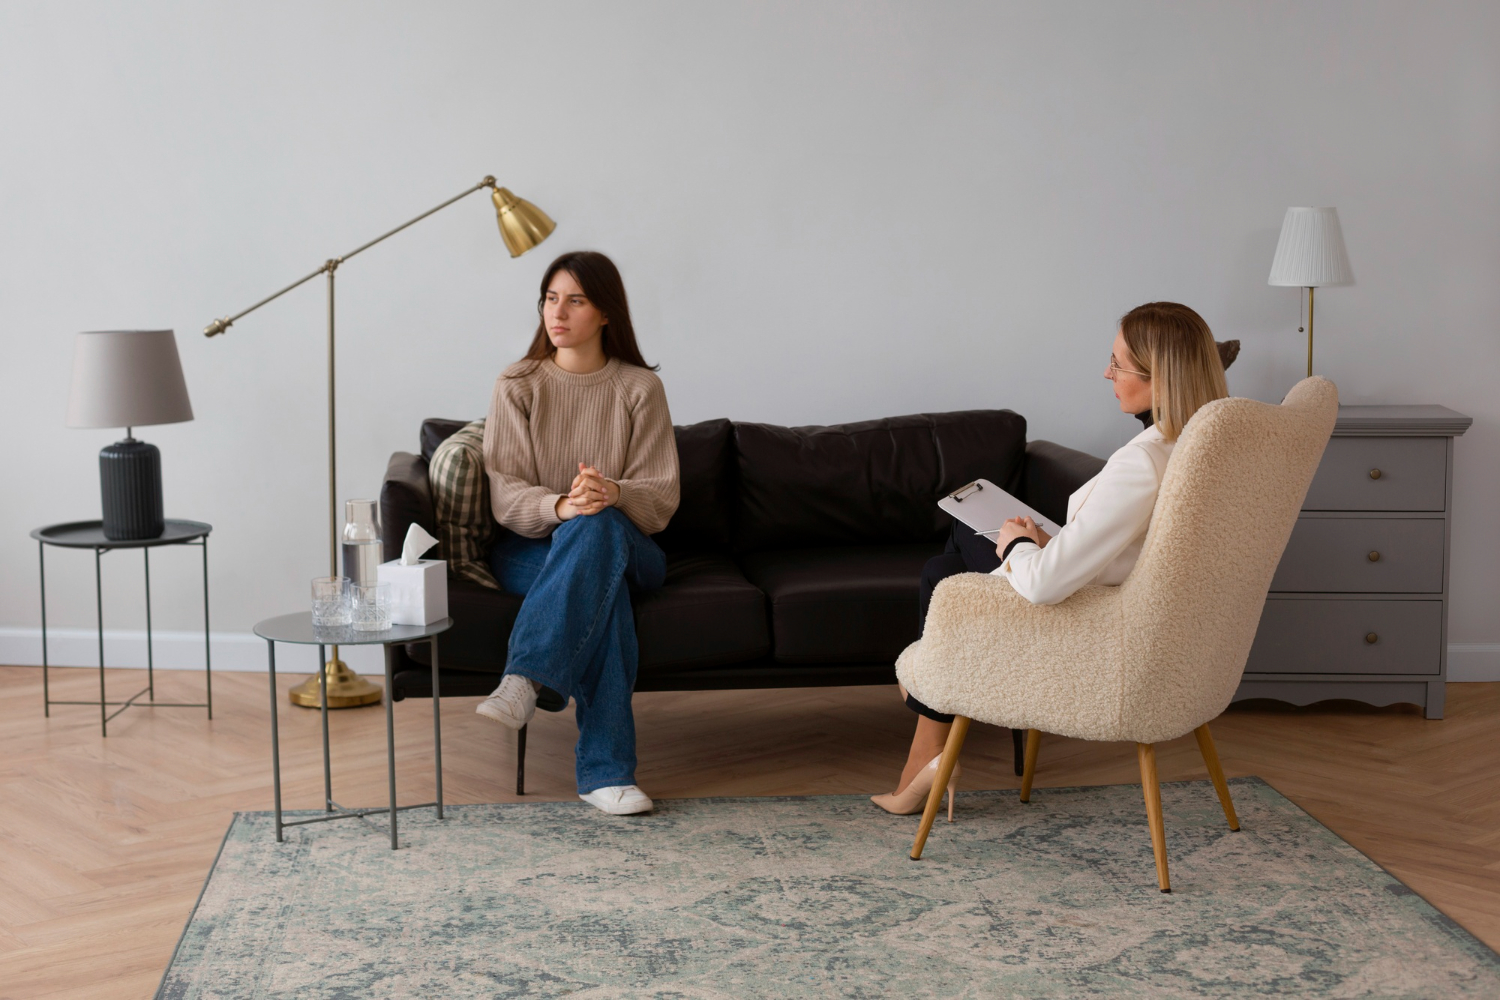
(390, 737)
(275, 741)
(150, 689)
(332, 810)
(437, 726)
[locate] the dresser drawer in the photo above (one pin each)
(1333, 555)
(1412, 475)
(1333, 637)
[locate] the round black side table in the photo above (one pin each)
(300, 630)
(90, 535)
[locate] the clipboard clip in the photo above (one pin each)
(958, 495)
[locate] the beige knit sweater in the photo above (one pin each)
(544, 421)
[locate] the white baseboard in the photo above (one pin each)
(231, 651)
(244, 651)
(1474, 661)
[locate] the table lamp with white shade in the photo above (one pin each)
(1311, 254)
(129, 379)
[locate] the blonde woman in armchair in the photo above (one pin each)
(1164, 365)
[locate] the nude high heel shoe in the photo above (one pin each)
(913, 798)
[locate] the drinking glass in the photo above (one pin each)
(330, 600)
(372, 607)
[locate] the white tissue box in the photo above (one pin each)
(419, 594)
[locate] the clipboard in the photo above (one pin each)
(984, 507)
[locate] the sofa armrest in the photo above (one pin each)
(1052, 474)
(405, 499)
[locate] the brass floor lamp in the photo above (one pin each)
(522, 226)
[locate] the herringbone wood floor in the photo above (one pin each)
(104, 843)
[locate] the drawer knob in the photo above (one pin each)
(1374, 557)
(1374, 473)
(1371, 638)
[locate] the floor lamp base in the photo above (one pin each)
(346, 689)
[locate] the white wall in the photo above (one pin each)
(824, 212)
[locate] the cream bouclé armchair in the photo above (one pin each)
(1160, 655)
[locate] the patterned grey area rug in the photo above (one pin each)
(791, 897)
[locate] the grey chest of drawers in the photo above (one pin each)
(1358, 607)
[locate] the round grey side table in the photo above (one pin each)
(90, 535)
(299, 630)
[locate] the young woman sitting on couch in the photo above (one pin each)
(1164, 365)
(582, 467)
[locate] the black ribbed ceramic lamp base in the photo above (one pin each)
(130, 486)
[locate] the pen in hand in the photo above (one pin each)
(1024, 521)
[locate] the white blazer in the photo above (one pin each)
(1107, 521)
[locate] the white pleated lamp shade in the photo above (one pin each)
(127, 378)
(1310, 253)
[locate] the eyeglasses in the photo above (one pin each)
(1114, 369)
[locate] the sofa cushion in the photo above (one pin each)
(461, 503)
(706, 460)
(876, 482)
(480, 636)
(707, 614)
(844, 604)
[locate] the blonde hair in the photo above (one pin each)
(1175, 349)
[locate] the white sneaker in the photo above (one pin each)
(619, 800)
(512, 704)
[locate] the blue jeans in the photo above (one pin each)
(575, 632)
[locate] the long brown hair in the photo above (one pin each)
(600, 280)
(1175, 348)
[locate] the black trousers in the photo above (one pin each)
(965, 552)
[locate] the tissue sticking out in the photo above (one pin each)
(417, 542)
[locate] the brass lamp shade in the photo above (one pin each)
(522, 224)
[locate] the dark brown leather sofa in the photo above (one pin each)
(793, 559)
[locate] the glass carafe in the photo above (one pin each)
(362, 548)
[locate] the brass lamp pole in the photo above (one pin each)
(522, 226)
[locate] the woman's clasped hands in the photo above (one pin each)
(1020, 527)
(590, 494)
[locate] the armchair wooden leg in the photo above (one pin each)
(1151, 788)
(1018, 750)
(1033, 744)
(1216, 772)
(940, 783)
